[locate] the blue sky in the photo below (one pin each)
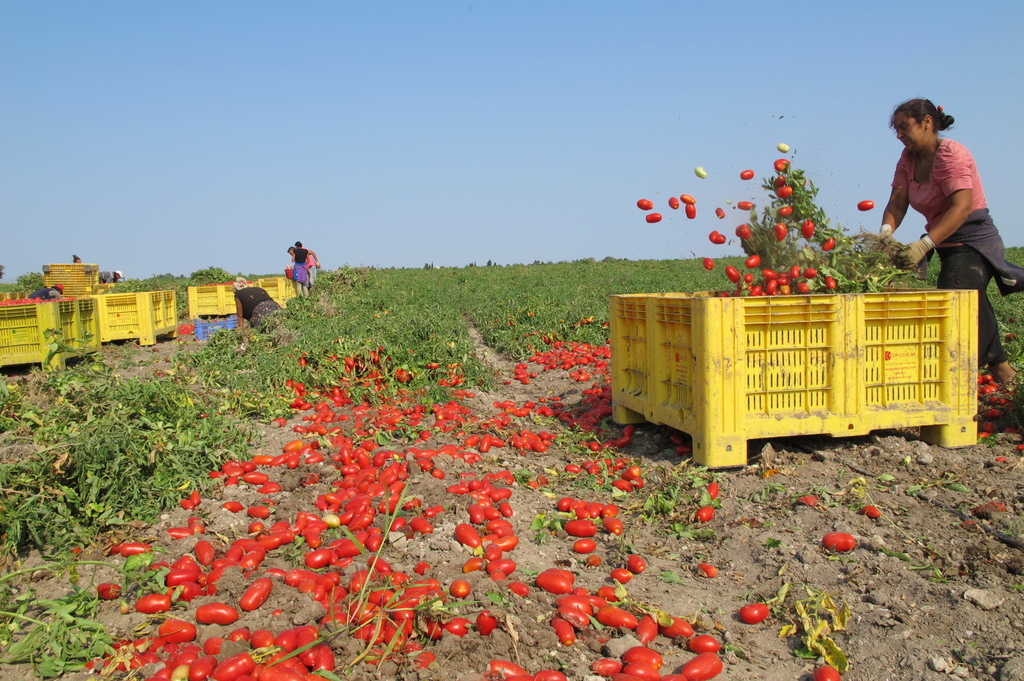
(169, 137)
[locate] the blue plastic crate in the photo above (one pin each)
(206, 328)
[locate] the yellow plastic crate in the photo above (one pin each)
(78, 279)
(216, 300)
(729, 370)
(13, 295)
(23, 338)
(280, 289)
(143, 315)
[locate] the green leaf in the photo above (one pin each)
(671, 577)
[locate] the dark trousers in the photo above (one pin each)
(963, 268)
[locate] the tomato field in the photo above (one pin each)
(412, 474)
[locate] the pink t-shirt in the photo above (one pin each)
(953, 169)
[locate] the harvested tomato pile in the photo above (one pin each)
(257, 587)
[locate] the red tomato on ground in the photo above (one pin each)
(753, 613)
(839, 541)
(703, 667)
(704, 514)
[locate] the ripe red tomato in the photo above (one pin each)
(709, 264)
(691, 211)
(688, 200)
(781, 231)
(839, 541)
(673, 202)
(614, 616)
(643, 655)
(781, 165)
(829, 244)
(743, 231)
(709, 571)
(720, 213)
(581, 528)
(234, 667)
(584, 546)
(802, 287)
(704, 643)
(703, 667)
(785, 211)
(216, 613)
(871, 511)
(653, 217)
(807, 229)
(108, 591)
(635, 564)
(732, 273)
(606, 667)
(747, 175)
(486, 623)
(177, 631)
(810, 273)
(704, 514)
(556, 581)
(679, 627)
(459, 588)
(826, 672)
(717, 237)
(645, 204)
(151, 604)
(785, 191)
(256, 595)
(865, 205)
(621, 575)
(753, 613)
(745, 205)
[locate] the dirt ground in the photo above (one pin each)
(933, 587)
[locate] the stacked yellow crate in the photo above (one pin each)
(78, 279)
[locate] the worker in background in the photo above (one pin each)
(111, 277)
(252, 304)
(47, 293)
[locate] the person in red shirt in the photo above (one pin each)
(938, 178)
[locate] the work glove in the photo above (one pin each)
(914, 252)
(886, 230)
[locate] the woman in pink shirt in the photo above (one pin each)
(937, 177)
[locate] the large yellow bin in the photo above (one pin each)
(23, 337)
(216, 300)
(281, 289)
(728, 370)
(143, 315)
(78, 279)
